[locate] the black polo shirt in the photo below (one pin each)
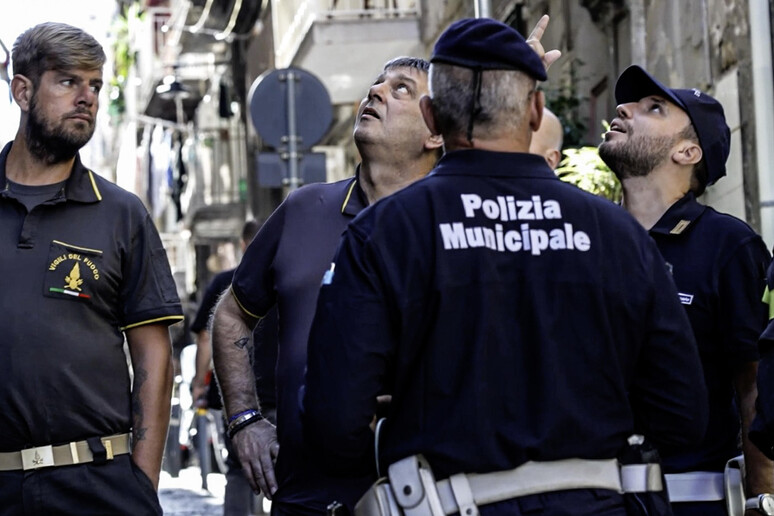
(284, 266)
(512, 317)
(762, 427)
(76, 271)
(718, 264)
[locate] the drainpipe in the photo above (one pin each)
(763, 92)
(483, 8)
(638, 36)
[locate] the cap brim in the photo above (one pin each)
(635, 84)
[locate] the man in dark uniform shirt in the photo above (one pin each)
(666, 146)
(84, 273)
(239, 498)
(284, 266)
(762, 428)
(498, 306)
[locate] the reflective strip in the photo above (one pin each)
(695, 486)
(767, 299)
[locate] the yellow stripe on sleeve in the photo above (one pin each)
(175, 318)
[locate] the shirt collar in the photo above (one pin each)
(679, 216)
(81, 185)
(490, 163)
(355, 199)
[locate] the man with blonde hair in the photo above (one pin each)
(84, 271)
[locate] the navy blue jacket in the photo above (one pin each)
(512, 317)
(762, 428)
(718, 264)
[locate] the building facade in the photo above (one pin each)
(187, 96)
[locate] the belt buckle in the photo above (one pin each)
(40, 457)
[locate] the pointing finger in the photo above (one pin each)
(540, 28)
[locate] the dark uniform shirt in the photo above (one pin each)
(511, 316)
(264, 342)
(718, 264)
(77, 271)
(762, 427)
(284, 266)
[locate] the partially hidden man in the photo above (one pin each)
(666, 145)
(525, 329)
(83, 269)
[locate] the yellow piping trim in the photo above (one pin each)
(94, 186)
(346, 200)
(245, 310)
(78, 247)
(151, 321)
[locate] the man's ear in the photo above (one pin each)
(536, 110)
(687, 152)
(434, 141)
(22, 91)
(553, 157)
(426, 106)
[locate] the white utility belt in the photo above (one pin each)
(411, 490)
(709, 486)
(695, 486)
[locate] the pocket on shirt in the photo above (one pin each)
(73, 271)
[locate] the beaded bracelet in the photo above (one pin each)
(248, 418)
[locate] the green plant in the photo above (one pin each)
(123, 57)
(583, 167)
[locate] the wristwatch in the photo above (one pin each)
(763, 503)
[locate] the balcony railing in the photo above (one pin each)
(293, 19)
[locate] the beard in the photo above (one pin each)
(52, 143)
(637, 156)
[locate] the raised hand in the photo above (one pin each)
(533, 41)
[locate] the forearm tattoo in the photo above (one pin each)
(241, 343)
(138, 417)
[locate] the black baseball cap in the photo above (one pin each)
(487, 44)
(705, 112)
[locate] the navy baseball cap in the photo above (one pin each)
(705, 112)
(487, 44)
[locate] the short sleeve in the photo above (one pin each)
(742, 284)
(148, 291)
(253, 281)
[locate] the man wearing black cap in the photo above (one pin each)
(666, 146)
(495, 303)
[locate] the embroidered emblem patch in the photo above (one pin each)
(72, 272)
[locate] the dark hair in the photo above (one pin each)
(249, 230)
(407, 62)
(55, 46)
(700, 173)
